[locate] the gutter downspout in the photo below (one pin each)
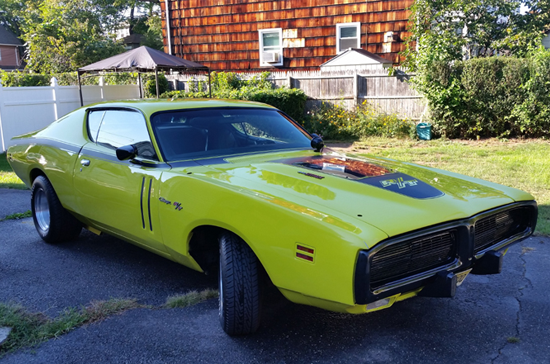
(168, 32)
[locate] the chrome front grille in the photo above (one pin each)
(408, 262)
(412, 256)
(495, 228)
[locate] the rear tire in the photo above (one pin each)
(239, 286)
(53, 223)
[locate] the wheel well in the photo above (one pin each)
(35, 173)
(204, 246)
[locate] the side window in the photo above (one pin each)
(271, 47)
(348, 35)
(121, 127)
(94, 121)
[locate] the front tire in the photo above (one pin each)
(239, 286)
(53, 223)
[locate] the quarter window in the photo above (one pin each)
(94, 121)
(348, 35)
(271, 47)
(116, 128)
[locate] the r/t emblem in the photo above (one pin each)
(399, 182)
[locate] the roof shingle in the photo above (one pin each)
(8, 38)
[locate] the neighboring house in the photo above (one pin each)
(236, 35)
(10, 57)
(133, 41)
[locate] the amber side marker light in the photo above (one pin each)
(304, 252)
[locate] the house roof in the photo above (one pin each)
(356, 57)
(133, 39)
(8, 38)
(142, 59)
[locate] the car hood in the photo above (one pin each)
(392, 196)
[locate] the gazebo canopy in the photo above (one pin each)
(142, 59)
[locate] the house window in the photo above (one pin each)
(348, 35)
(271, 47)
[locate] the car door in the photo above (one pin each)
(120, 197)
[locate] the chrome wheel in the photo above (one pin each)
(42, 209)
(53, 223)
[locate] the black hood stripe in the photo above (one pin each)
(403, 184)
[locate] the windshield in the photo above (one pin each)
(198, 133)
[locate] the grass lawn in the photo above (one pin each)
(515, 163)
(8, 179)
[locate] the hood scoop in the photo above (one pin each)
(367, 173)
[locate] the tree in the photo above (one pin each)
(470, 93)
(9, 15)
(148, 23)
(452, 30)
(64, 35)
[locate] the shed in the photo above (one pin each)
(356, 59)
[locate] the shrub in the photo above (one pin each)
(488, 97)
(492, 86)
(532, 115)
(151, 86)
(336, 122)
(291, 101)
(23, 79)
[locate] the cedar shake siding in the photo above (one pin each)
(223, 35)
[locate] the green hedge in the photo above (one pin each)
(26, 79)
(489, 97)
(291, 101)
(151, 85)
(228, 85)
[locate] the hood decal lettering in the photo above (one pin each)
(404, 185)
(367, 172)
(400, 182)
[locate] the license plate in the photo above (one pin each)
(460, 277)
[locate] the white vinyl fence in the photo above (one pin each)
(26, 109)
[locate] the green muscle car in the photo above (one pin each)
(241, 189)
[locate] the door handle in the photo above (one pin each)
(85, 162)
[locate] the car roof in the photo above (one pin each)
(150, 106)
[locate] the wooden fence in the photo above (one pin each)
(391, 94)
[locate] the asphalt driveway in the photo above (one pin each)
(12, 201)
(474, 327)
